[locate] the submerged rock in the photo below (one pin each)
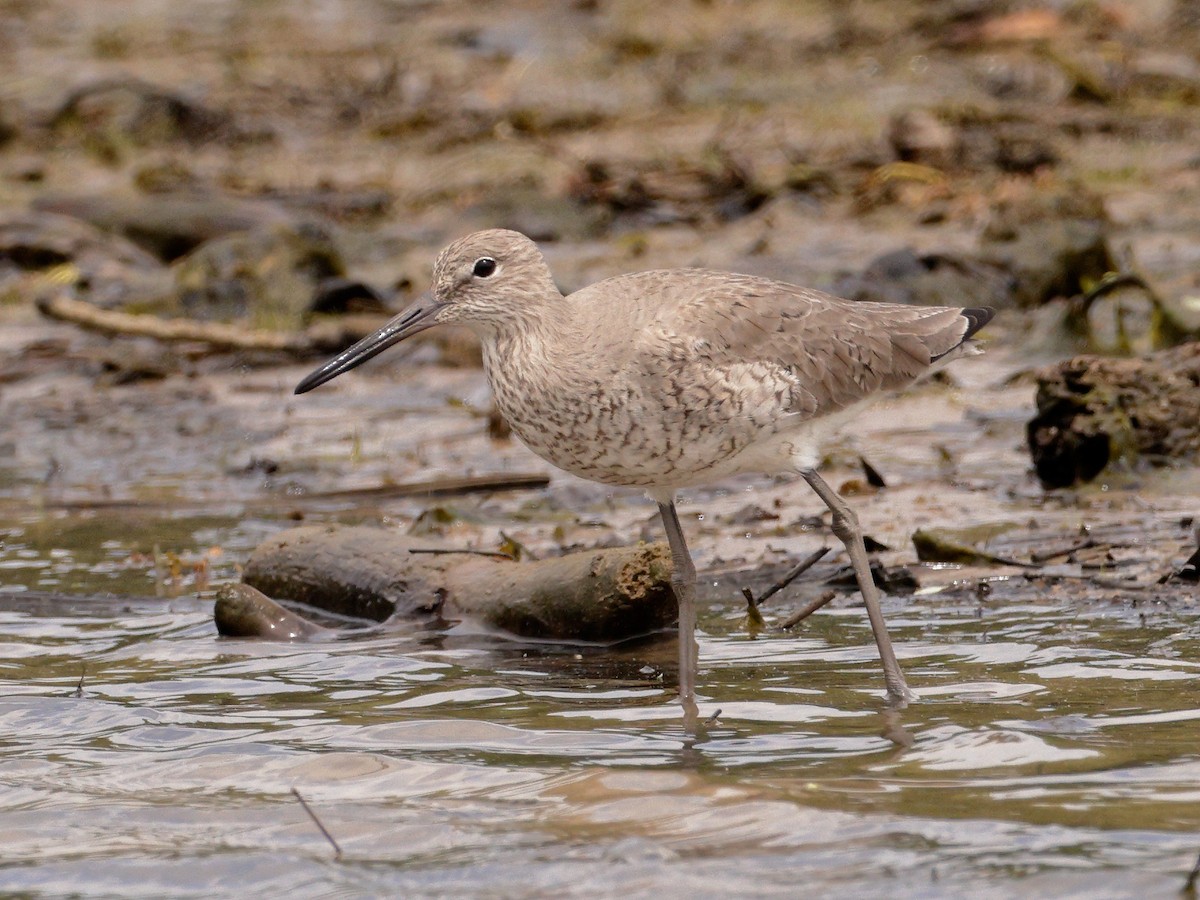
(242, 611)
(373, 573)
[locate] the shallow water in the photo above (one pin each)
(1053, 750)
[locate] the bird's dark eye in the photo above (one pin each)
(484, 266)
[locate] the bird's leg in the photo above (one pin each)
(683, 582)
(849, 532)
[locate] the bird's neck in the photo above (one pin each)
(539, 329)
(534, 337)
(540, 347)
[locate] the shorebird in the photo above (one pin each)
(670, 379)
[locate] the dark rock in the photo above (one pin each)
(39, 240)
(1094, 411)
(242, 611)
(108, 268)
(341, 296)
(338, 204)
(1185, 16)
(751, 514)
(544, 218)
(268, 277)
(934, 279)
(130, 362)
(1023, 148)
(168, 225)
(897, 580)
(1188, 573)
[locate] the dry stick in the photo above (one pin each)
(1106, 564)
(312, 815)
(1098, 580)
(320, 338)
(1046, 555)
(436, 486)
(218, 334)
(1088, 544)
(452, 485)
(806, 611)
(442, 551)
(787, 579)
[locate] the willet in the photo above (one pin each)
(669, 379)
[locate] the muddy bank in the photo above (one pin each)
(939, 154)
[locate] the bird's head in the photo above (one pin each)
(484, 280)
(488, 277)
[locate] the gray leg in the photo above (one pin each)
(683, 581)
(848, 531)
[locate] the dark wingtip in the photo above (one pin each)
(977, 317)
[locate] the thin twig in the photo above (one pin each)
(465, 484)
(432, 487)
(712, 720)
(1045, 555)
(78, 692)
(787, 579)
(323, 337)
(806, 611)
(325, 831)
(442, 551)
(1189, 886)
(1097, 580)
(1111, 563)
(1114, 281)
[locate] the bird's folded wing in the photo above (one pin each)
(797, 352)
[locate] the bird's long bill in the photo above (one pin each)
(418, 317)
